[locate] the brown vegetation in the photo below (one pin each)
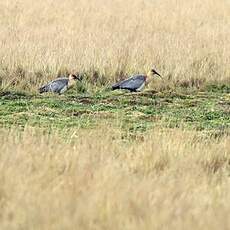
(183, 39)
(111, 177)
(95, 180)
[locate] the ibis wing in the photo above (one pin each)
(57, 85)
(131, 83)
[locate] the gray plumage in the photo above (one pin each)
(136, 82)
(133, 84)
(59, 85)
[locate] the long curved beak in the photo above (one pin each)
(79, 78)
(155, 72)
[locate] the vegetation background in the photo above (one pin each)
(183, 40)
(92, 159)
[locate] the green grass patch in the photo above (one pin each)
(208, 110)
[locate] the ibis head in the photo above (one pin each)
(153, 72)
(74, 77)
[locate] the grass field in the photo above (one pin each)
(96, 180)
(97, 159)
(188, 42)
(199, 110)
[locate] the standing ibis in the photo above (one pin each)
(137, 82)
(59, 85)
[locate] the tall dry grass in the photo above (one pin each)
(171, 179)
(184, 40)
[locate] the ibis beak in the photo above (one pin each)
(155, 72)
(79, 78)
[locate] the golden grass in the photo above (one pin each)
(171, 179)
(184, 40)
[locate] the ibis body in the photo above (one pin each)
(135, 83)
(59, 85)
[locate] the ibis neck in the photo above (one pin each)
(150, 74)
(71, 83)
(149, 77)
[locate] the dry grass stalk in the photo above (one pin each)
(169, 180)
(184, 40)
